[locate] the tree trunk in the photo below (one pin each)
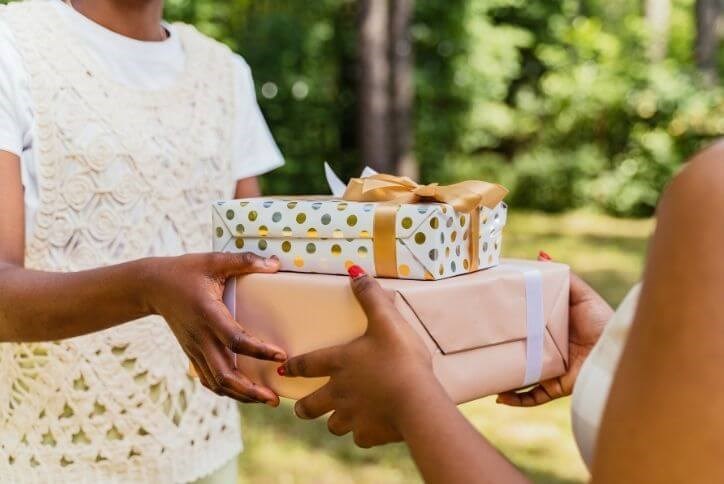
(658, 17)
(374, 86)
(707, 18)
(402, 65)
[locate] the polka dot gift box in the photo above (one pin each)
(389, 231)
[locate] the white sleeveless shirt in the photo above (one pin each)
(116, 168)
(594, 381)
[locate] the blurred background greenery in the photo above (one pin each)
(569, 103)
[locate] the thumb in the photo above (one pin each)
(581, 292)
(229, 265)
(375, 302)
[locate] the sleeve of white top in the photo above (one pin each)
(254, 151)
(12, 72)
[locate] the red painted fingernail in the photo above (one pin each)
(281, 371)
(356, 271)
(544, 256)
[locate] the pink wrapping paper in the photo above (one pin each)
(474, 325)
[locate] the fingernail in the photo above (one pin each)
(281, 371)
(356, 271)
(543, 256)
(271, 261)
(280, 357)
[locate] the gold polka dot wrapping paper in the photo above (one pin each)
(324, 235)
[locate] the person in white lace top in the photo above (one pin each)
(117, 132)
(655, 368)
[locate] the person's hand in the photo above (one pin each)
(588, 315)
(374, 379)
(187, 291)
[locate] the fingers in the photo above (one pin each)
(226, 380)
(530, 398)
(377, 304)
(339, 425)
(314, 364)
(374, 436)
(205, 377)
(315, 405)
(538, 395)
(237, 339)
(229, 265)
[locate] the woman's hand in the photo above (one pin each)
(187, 291)
(374, 379)
(588, 315)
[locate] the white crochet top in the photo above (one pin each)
(116, 167)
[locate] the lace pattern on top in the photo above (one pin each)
(115, 166)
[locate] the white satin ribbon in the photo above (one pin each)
(230, 295)
(535, 321)
(337, 186)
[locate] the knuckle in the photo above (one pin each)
(365, 286)
(213, 259)
(214, 387)
(223, 379)
(300, 366)
(194, 337)
(248, 259)
(237, 342)
(296, 366)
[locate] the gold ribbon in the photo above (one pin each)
(393, 191)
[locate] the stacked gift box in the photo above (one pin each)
(490, 325)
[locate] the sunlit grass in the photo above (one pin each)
(608, 252)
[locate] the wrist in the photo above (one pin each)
(416, 404)
(146, 278)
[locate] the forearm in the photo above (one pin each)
(37, 306)
(447, 448)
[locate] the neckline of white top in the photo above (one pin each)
(172, 53)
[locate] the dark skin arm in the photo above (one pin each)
(186, 291)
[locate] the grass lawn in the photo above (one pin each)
(607, 252)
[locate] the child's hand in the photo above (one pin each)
(187, 291)
(374, 379)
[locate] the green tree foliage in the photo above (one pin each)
(557, 100)
(568, 110)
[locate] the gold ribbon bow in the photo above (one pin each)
(468, 197)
